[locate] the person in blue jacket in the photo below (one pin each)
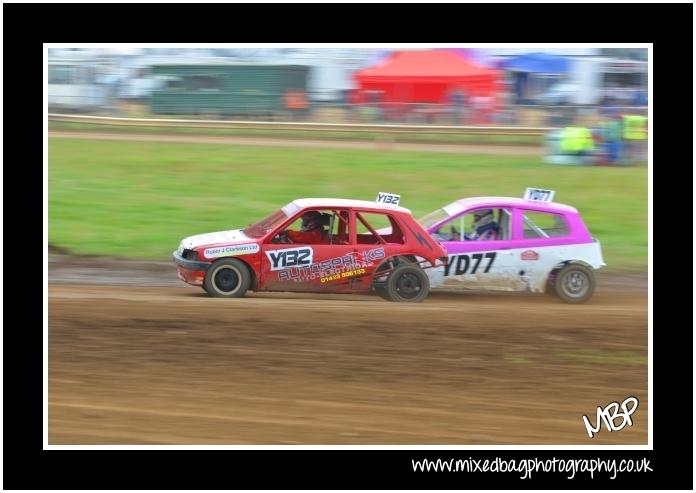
(484, 226)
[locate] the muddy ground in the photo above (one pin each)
(138, 357)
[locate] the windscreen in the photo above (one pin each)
(261, 228)
(433, 218)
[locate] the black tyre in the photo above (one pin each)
(382, 292)
(574, 283)
(406, 283)
(227, 278)
(551, 284)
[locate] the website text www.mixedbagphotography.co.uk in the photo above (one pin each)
(527, 467)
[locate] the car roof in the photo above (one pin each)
(361, 204)
(507, 202)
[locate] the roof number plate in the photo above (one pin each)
(539, 195)
(388, 198)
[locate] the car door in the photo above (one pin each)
(479, 264)
(306, 267)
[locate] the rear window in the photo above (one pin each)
(383, 224)
(544, 225)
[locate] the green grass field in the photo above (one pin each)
(139, 199)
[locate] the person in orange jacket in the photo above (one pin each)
(296, 103)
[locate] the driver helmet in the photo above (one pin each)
(482, 217)
(311, 220)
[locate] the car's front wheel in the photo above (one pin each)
(574, 283)
(227, 278)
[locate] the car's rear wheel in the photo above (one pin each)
(227, 278)
(406, 283)
(574, 283)
(551, 284)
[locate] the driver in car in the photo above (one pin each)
(312, 230)
(484, 226)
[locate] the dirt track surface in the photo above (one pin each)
(131, 364)
(517, 150)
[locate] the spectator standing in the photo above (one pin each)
(296, 103)
(613, 131)
(635, 134)
(457, 99)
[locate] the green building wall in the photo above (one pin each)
(226, 89)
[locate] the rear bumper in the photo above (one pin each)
(190, 271)
(598, 260)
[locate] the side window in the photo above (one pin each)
(384, 225)
(174, 83)
(479, 224)
(203, 82)
(326, 226)
(339, 233)
(452, 230)
(543, 225)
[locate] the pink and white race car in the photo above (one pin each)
(511, 244)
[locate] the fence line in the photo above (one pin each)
(330, 127)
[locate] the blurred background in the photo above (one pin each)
(590, 104)
(494, 85)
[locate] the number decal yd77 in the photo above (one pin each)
(461, 263)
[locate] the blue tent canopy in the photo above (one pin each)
(545, 63)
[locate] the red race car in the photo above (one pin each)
(317, 245)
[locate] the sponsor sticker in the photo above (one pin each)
(326, 268)
(529, 255)
(290, 257)
(231, 250)
(343, 275)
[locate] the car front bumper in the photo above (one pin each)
(190, 271)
